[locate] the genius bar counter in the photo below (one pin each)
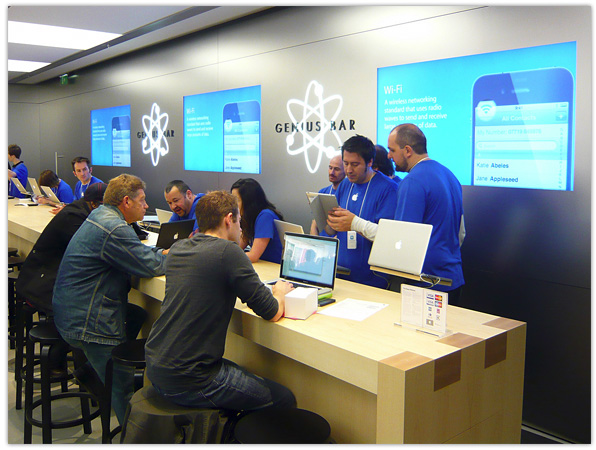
(374, 381)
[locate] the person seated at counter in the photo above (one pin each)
(258, 229)
(91, 289)
(38, 274)
(62, 190)
(181, 201)
(204, 276)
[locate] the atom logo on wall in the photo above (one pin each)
(313, 132)
(154, 131)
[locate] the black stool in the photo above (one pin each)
(282, 426)
(13, 251)
(153, 419)
(12, 313)
(15, 262)
(24, 323)
(46, 335)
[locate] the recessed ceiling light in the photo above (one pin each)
(15, 65)
(52, 36)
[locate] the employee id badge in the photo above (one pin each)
(352, 242)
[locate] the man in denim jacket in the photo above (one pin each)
(91, 289)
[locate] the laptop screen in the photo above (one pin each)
(310, 259)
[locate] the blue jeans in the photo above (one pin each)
(237, 389)
(123, 377)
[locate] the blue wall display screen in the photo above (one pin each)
(222, 131)
(110, 136)
(495, 119)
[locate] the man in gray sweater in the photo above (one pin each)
(204, 276)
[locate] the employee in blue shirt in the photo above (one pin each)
(59, 187)
(81, 167)
(336, 176)
(181, 201)
(258, 226)
(366, 194)
(19, 170)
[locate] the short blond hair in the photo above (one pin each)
(213, 207)
(122, 186)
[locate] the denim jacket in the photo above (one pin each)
(91, 289)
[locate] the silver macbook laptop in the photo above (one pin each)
(163, 215)
(286, 227)
(19, 186)
(400, 246)
(35, 187)
(50, 194)
(309, 261)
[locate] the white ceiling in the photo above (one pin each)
(140, 26)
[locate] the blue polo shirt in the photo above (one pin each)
(63, 192)
(80, 188)
(265, 228)
(22, 173)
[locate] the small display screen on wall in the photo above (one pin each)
(503, 119)
(110, 136)
(222, 131)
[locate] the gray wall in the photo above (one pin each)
(527, 253)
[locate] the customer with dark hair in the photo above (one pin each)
(17, 170)
(384, 164)
(59, 187)
(258, 228)
(91, 290)
(204, 276)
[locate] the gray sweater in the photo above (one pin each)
(204, 275)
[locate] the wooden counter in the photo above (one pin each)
(374, 382)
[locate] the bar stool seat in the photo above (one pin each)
(16, 262)
(282, 426)
(13, 251)
(153, 419)
(47, 335)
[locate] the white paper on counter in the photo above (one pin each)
(353, 309)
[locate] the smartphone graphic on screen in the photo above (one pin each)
(242, 137)
(522, 129)
(121, 141)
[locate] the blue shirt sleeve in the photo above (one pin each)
(64, 192)
(264, 226)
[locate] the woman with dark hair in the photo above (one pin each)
(257, 216)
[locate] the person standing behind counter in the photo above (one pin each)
(430, 194)
(81, 167)
(336, 176)
(181, 201)
(258, 228)
(18, 170)
(367, 194)
(204, 276)
(91, 290)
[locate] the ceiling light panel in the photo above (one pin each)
(52, 36)
(15, 65)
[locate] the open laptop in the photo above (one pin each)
(163, 215)
(286, 227)
(19, 186)
(35, 187)
(309, 261)
(400, 246)
(50, 194)
(170, 232)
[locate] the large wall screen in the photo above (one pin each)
(110, 136)
(222, 131)
(495, 119)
